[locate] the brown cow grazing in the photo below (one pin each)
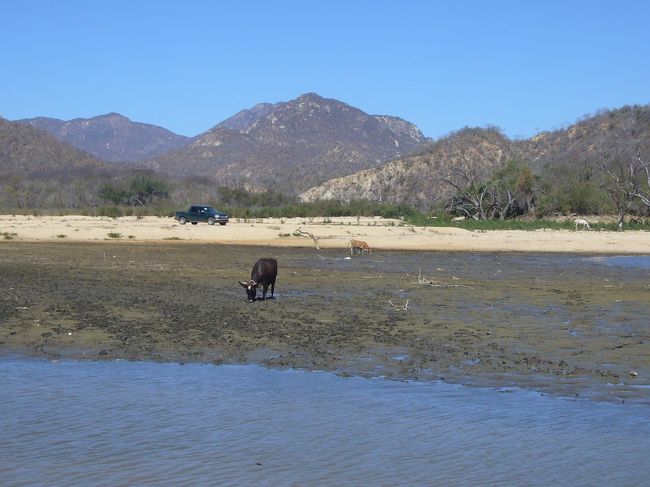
(264, 273)
(359, 247)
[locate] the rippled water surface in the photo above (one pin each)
(126, 423)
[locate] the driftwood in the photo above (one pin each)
(307, 234)
(403, 308)
(428, 282)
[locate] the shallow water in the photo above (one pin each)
(141, 423)
(635, 261)
(494, 264)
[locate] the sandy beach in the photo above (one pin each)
(332, 233)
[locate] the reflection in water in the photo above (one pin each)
(124, 423)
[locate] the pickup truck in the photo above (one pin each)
(198, 214)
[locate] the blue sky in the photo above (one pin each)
(524, 66)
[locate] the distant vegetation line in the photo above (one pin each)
(244, 205)
(508, 193)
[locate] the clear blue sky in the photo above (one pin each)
(186, 65)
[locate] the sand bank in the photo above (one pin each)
(332, 233)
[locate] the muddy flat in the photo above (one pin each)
(562, 323)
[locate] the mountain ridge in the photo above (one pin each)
(30, 152)
(111, 137)
(290, 146)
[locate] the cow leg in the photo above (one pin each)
(266, 286)
(272, 288)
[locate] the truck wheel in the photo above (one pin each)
(182, 220)
(210, 221)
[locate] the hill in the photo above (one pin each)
(31, 153)
(291, 146)
(111, 137)
(589, 141)
(39, 171)
(418, 178)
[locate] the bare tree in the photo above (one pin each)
(470, 194)
(641, 191)
(308, 234)
(626, 178)
(502, 201)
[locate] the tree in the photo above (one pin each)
(506, 193)
(470, 194)
(641, 184)
(512, 190)
(626, 178)
(145, 189)
(115, 194)
(524, 192)
(141, 190)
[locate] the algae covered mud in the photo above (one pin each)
(567, 324)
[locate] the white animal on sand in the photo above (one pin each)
(580, 222)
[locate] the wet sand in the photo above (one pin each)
(557, 323)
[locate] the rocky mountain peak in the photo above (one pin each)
(310, 97)
(290, 146)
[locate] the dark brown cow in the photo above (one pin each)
(264, 273)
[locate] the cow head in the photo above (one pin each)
(251, 289)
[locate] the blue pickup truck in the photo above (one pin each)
(199, 213)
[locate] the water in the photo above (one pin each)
(493, 264)
(129, 423)
(633, 261)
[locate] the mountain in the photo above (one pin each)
(112, 137)
(29, 152)
(291, 146)
(589, 141)
(244, 119)
(418, 178)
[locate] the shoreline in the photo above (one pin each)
(332, 233)
(557, 324)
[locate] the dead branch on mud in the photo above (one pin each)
(316, 238)
(428, 282)
(311, 235)
(403, 308)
